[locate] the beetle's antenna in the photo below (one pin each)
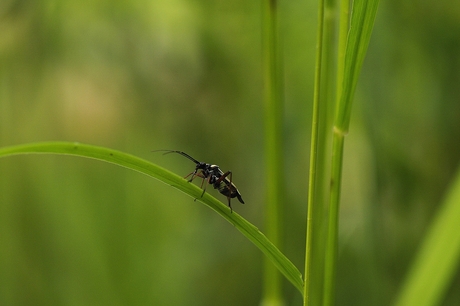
(178, 152)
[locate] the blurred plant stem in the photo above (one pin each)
(273, 84)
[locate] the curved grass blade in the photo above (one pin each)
(285, 266)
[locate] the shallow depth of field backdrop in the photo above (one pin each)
(187, 74)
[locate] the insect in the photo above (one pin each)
(212, 175)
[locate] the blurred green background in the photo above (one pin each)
(187, 74)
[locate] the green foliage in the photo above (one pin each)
(361, 26)
(167, 177)
(189, 75)
(358, 36)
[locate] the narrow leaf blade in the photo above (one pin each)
(132, 162)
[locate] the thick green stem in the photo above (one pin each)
(336, 168)
(333, 223)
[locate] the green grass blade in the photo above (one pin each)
(361, 25)
(344, 26)
(438, 259)
(285, 266)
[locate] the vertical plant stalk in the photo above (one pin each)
(336, 168)
(358, 37)
(312, 190)
(333, 223)
(273, 145)
(326, 104)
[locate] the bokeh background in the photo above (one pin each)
(187, 74)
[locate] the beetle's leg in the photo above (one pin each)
(202, 181)
(207, 183)
(228, 186)
(200, 174)
(224, 176)
(230, 205)
(193, 174)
